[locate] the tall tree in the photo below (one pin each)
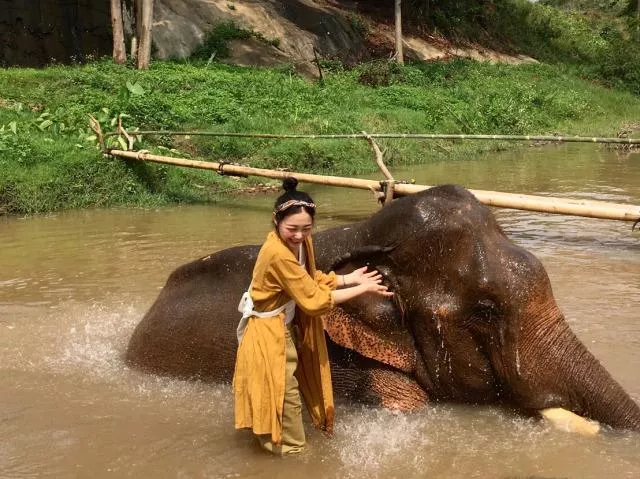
(399, 52)
(119, 49)
(146, 20)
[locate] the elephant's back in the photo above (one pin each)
(189, 331)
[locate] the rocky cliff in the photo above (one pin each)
(35, 32)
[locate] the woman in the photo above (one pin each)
(288, 294)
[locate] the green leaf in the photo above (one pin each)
(45, 124)
(13, 126)
(135, 88)
(122, 142)
(91, 138)
(123, 93)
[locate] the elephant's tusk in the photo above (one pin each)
(567, 421)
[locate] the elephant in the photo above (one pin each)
(473, 318)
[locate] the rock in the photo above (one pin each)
(297, 27)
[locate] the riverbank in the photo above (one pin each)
(49, 161)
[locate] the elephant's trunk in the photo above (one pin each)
(559, 371)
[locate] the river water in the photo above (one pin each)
(74, 285)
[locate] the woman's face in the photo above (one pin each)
(294, 229)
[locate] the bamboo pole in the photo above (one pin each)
(415, 136)
(585, 208)
(237, 170)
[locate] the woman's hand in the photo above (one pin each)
(365, 281)
(360, 276)
(376, 287)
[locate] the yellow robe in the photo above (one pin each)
(259, 378)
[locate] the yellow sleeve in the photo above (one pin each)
(330, 279)
(312, 297)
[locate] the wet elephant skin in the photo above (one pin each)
(473, 319)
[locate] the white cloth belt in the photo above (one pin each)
(246, 306)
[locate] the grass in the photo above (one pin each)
(48, 160)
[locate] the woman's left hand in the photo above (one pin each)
(360, 276)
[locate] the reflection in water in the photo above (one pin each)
(74, 285)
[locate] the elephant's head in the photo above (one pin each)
(473, 318)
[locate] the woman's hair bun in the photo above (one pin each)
(289, 184)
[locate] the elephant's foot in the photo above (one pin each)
(567, 421)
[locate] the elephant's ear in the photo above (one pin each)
(393, 347)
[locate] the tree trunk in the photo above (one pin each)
(144, 46)
(135, 28)
(399, 53)
(119, 49)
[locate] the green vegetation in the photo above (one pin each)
(599, 39)
(48, 158)
(216, 42)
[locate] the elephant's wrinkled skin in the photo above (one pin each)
(473, 319)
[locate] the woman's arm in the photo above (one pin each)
(316, 298)
(311, 296)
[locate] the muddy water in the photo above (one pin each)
(74, 285)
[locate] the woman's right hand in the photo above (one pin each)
(374, 285)
(368, 282)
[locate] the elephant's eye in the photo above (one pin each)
(485, 310)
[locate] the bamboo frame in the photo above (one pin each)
(585, 208)
(415, 136)
(378, 157)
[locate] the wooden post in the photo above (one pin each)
(144, 46)
(399, 53)
(378, 156)
(117, 27)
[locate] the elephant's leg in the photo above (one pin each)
(368, 381)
